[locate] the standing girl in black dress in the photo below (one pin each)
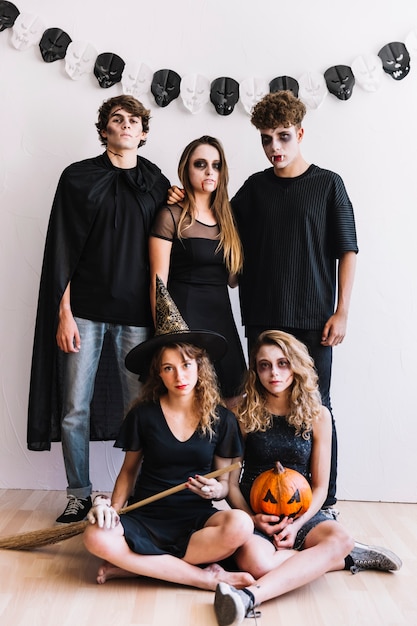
(176, 433)
(195, 248)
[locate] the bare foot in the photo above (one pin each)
(236, 579)
(107, 571)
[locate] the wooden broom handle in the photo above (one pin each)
(168, 492)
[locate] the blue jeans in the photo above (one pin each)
(80, 369)
(323, 357)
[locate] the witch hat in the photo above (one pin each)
(172, 329)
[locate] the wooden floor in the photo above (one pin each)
(55, 585)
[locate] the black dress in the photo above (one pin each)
(197, 283)
(165, 526)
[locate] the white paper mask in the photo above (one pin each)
(79, 59)
(368, 71)
(27, 31)
(195, 92)
(252, 90)
(136, 79)
(313, 89)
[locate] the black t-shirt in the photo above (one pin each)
(293, 231)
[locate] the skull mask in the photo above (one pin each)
(340, 81)
(8, 14)
(252, 90)
(395, 60)
(54, 44)
(224, 94)
(195, 91)
(136, 79)
(313, 89)
(284, 83)
(79, 59)
(27, 31)
(108, 69)
(165, 87)
(368, 71)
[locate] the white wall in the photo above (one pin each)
(47, 122)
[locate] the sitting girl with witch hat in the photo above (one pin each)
(177, 432)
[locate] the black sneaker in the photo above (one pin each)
(75, 511)
(233, 605)
(373, 557)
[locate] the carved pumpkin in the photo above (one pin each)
(280, 491)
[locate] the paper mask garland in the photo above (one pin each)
(196, 90)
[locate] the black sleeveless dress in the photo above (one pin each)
(279, 443)
(198, 285)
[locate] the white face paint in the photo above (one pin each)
(195, 92)
(368, 71)
(136, 79)
(252, 90)
(27, 31)
(79, 59)
(313, 89)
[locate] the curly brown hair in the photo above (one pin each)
(129, 104)
(305, 399)
(280, 108)
(206, 396)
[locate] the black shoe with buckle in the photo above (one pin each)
(75, 511)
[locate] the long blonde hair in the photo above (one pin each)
(206, 396)
(304, 397)
(220, 204)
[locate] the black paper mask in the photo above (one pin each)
(395, 60)
(340, 81)
(284, 83)
(8, 14)
(165, 86)
(224, 94)
(54, 44)
(108, 69)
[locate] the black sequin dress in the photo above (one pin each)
(279, 443)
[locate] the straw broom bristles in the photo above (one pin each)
(49, 536)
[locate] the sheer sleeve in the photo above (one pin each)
(164, 225)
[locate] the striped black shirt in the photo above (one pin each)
(293, 230)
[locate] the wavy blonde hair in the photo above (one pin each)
(206, 396)
(220, 204)
(304, 396)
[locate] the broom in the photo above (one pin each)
(49, 536)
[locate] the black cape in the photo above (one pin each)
(78, 198)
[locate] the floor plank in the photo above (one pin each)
(55, 585)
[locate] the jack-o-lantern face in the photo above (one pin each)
(282, 492)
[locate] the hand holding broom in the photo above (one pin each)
(38, 538)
